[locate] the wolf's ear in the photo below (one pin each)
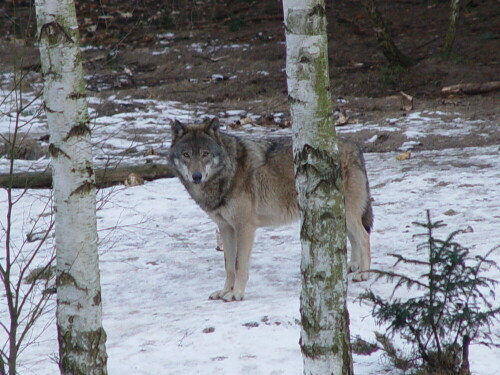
(212, 126)
(178, 130)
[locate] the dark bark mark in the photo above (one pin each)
(65, 278)
(318, 10)
(90, 171)
(55, 152)
(292, 100)
(324, 167)
(316, 351)
(52, 31)
(79, 130)
(47, 109)
(77, 95)
(304, 59)
(85, 188)
(97, 299)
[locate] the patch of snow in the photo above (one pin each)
(420, 124)
(410, 145)
(236, 112)
(218, 77)
(165, 36)
(160, 52)
(90, 48)
(198, 47)
(159, 264)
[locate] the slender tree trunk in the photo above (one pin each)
(465, 366)
(79, 322)
(325, 323)
(389, 48)
(451, 32)
(13, 353)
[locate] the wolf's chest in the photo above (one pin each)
(209, 199)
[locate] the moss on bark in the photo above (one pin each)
(88, 347)
(325, 332)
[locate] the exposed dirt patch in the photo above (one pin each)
(231, 55)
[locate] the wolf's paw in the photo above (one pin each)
(233, 296)
(353, 267)
(226, 296)
(218, 294)
(360, 276)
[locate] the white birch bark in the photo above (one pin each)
(79, 322)
(325, 323)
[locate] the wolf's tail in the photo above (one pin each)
(367, 218)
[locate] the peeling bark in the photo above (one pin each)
(325, 324)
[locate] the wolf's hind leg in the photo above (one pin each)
(229, 243)
(360, 249)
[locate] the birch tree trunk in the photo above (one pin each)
(79, 322)
(325, 323)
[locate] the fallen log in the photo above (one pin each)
(104, 177)
(472, 88)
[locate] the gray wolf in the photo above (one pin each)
(244, 183)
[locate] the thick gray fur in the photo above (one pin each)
(244, 183)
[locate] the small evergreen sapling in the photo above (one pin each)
(453, 311)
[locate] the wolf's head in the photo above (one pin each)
(196, 152)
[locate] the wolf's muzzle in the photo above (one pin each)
(196, 177)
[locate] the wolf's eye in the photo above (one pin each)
(186, 155)
(205, 154)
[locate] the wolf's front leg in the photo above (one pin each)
(228, 235)
(244, 241)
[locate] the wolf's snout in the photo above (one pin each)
(196, 177)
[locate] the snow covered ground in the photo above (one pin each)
(159, 263)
